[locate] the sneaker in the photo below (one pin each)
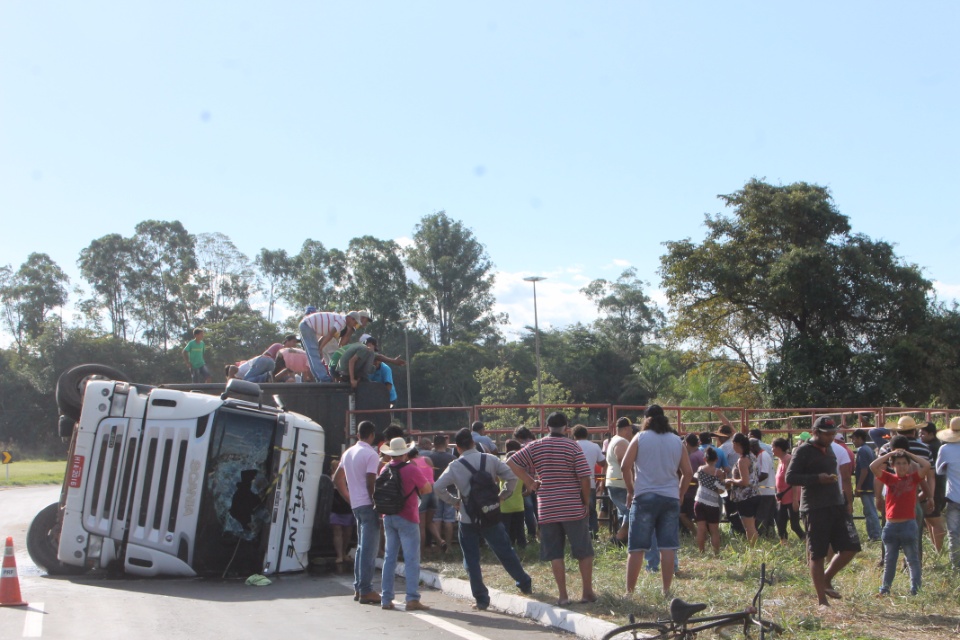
(480, 607)
(416, 605)
(388, 606)
(371, 597)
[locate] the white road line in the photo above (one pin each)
(33, 621)
(449, 626)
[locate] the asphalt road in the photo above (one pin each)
(294, 606)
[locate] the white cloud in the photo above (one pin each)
(559, 301)
(947, 292)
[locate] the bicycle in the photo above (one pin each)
(682, 626)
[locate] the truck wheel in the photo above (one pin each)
(42, 537)
(71, 383)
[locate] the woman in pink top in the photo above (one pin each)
(788, 498)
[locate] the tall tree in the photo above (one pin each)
(275, 269)
(30, 294)
(317, 278)
(225, 273)
(455, 280)
(168, 304)
(377, 282)
(630, 316)
(112, 265)
(783, 282)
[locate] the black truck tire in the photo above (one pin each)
(71, 383)
(42, 544)
(321, 518)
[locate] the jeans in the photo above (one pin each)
(896, 536)
(400, 533)
(594, 523)
(530, 515)
(653, 557)
(951, 514)
(871, 516)
(499, 543)
(311, 344)
(654, 518)
(618, 496)
(260, 369)
(368, 541)
(785, 513)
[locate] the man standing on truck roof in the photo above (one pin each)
(193, 357)
(321, 332)
(354, 480)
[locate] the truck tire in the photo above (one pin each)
(71, 383)
(42, 543)
(324, 501)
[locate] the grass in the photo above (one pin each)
(32, 472)
(727, 583)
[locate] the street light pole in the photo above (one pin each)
(536, 333)
(406, 344)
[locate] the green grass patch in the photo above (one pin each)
(728, 582)
(21, 473)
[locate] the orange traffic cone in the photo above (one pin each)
(9, 582)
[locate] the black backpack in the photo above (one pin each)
(483, 501)
(388, 496)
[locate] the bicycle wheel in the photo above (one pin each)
(638, 630)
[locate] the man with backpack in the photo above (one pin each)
(475, 475)
(563, 493)
(396, 495)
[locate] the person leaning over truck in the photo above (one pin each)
(321, 333)
(193, 357)
(354, 480)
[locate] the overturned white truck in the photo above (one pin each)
(170, 481)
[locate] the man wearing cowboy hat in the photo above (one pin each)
(402, 530)
(948, 464)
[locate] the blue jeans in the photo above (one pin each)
(499, 543)
(594, 523)
(896, 536)
(530, 516)
(871, 516)
(260, 369)
(618, 496)
(654, 518)
(400, 533)
(368, 541)
(311, 344)
(951, 514)
(653, 557)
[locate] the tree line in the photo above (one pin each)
(781, 304)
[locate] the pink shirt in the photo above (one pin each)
(357, 462)
(412, 477)
(295, 360)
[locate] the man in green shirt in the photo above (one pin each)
(193, 357)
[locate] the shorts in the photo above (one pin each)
(428, 502)
(830, 526)
(652, 514)
(706, 513)
(554, 534)
(686, 507)
(445, 512)
(747, 508)
(341, 519)
(199, 374)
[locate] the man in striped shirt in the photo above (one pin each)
(563, 493)
(321, 337)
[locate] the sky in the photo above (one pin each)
(572, 138)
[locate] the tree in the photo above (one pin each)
(785, 287)
(168, 301)
(112, 265)
(377, 282)
(455, 280)
(30, 294)
(317, 278)
(630, 315)
(500, 385)
(656, 374)
(225, 273)
(275, 269)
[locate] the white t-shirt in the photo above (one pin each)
(765, 465)
(593, 452)
(843, 457)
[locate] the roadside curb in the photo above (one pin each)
(545, 614)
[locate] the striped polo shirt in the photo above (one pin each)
(323, 321)
(559, 463)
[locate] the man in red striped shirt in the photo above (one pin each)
(563, 493)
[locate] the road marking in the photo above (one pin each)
(33, 621)
(449, 626)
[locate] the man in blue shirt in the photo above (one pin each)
(381, 370)
(863, 483)
(948, 464)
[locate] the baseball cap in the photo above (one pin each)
(825, 423)
(291, 336)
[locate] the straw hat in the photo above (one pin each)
(953, 433)
(905, 423)
(396, 448)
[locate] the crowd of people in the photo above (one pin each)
(658, 483)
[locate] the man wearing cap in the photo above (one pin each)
(321, 333)
(402, 530)
(563, 493)
(457, 476)
(948, 464)
(355, 479)
(828, 518)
